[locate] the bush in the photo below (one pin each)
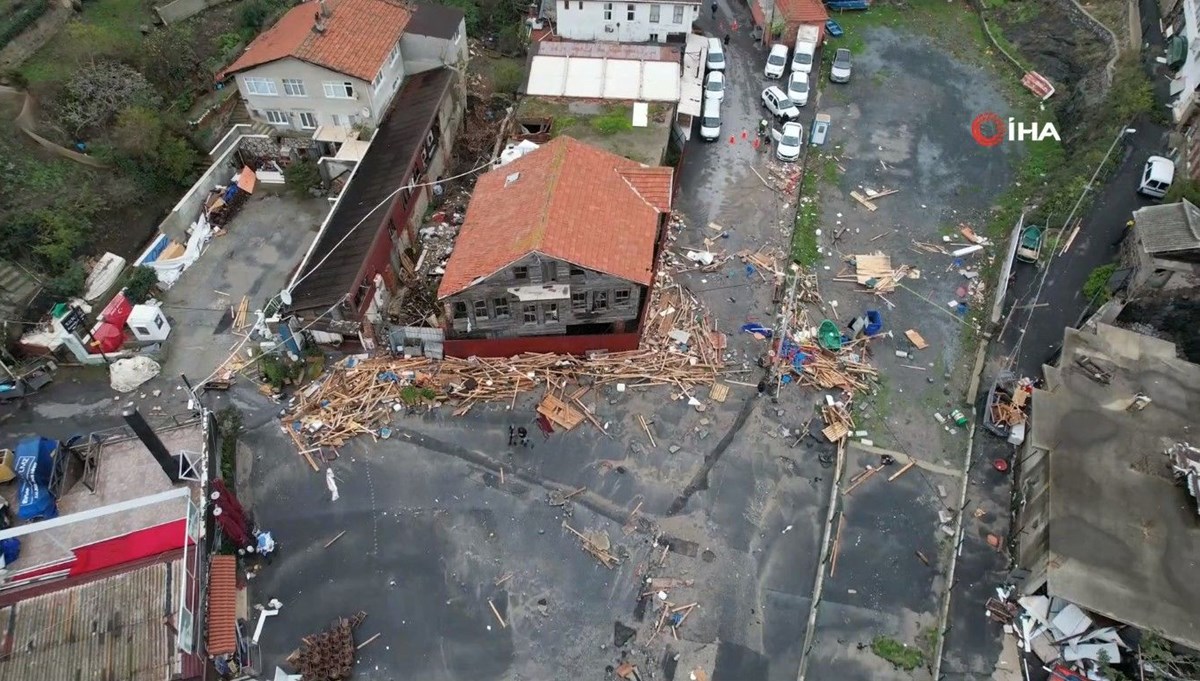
(1095, 289)
(613, 122)
(69, 283)
(471, 16)
(139, 282)
(302, 176)
(508, 77)
(22, 18)
(901, 656)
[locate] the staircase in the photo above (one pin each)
(241, 115)
(17, 289)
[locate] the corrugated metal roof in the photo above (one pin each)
(1168, 228)
(591, 78)
(112, 628)
(222, 606)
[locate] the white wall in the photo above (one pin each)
(424, 53)
(314, 100)
(1189, 74)
(585, 20)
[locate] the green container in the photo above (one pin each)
(959, 418)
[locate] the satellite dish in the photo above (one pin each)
(285, 296)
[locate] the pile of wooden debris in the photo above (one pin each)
(329, 655)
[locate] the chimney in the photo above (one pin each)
(325, 11)
(169, 462)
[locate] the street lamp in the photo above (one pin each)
(1087, 188)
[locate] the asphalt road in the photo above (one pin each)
(1034, 335)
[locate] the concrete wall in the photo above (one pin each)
(424, 53)
(1188, 77)
(570, 310)
(585, 20)
(350, 111)
(559, 345)
(177, 222)
(174, 12)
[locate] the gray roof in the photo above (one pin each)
(1168, 228)
(434, 20)
(110, 628)
(1123, 538)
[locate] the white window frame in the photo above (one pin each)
(395, 54)
(263, 87)
(631, 12)
(655, 13)
(294, 87)
(338, 89)
(271, 114)
(678, 14)
(608, 10)
(377, 82)
(312, 115)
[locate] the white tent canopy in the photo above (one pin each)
(604, 78)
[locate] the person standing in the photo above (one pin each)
(726, 40)
(714, 9)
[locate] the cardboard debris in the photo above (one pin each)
(915, 338)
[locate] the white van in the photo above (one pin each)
(806, 48)
(710, 120)
(1157, 177)
(716, 55)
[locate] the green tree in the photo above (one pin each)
(139, 283)
(508, 76)
(169, 60)
(302, 176)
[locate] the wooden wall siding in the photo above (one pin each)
(590, 283)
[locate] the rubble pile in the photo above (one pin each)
(329, 655)
(1061, 634)
(1185, 462)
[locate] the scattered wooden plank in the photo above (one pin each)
(718, 392)
(330, 542)
(503, 624)
(864, 201)
(646, 427)
(916, 339)
(866, 476)
(903, 470)
(837, 544)
(364, 643)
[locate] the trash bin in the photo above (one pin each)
(874, 322)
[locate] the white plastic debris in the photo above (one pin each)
(331, 483)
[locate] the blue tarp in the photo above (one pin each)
(35, 460)
(36, 502)
(11, 550)
(159, 246)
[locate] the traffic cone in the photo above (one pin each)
(732, 140)
(743, 134)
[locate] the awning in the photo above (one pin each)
(547, 292)
(1177, 48)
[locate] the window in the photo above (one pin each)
(579, 5)
(630, 11)
(339, 90)
(549, 271)
(579, 302)
(460, 309)
(142, 330)
(378, 80)
(600, 300)
(395, 54)
(308, 120)
(260, 86)
(521, 273)
(577, 271)
(608, 11)
(566, 4)
(276, 117)
(500, 308)
(158, 322)
(678, 14)
(529, 313)
(655, 11)
(621, 297)
(654, 38)
(550, 312)
(481, 309)
(294, 87)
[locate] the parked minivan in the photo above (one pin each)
(716, 55)
(710, 119)
(1157, 177)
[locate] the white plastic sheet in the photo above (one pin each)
(169, 271)
(125, 375)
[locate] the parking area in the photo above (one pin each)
(254, 258)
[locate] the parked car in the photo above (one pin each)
(716, 55)
(776, 61)
(1029, 249)
(797, 88)
(1157, 177)
(807, 37)
(710, 119)
(790, 140)
(775, 101)
(714, 85)
(840, 73)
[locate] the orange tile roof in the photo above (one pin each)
(569, 201)
(222, 605)
(358, 37)
(803, 11)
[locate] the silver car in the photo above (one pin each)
(840, 73)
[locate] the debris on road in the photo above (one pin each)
(329, 655)
(597, 544)
(1059, 633)
(916, 339)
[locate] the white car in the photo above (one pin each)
(775, 101)
(839, 72)
(714, 85)
(1157, 177)
(797, 88)
(787, 148)
(710, 120)
(716, 55)
(777, 61)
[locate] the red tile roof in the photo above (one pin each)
(802, 11)
(222, 605)
(358, 37)
(569, 201)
